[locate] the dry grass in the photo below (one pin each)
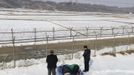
(129, 51)
(121, 52)
(108, 53)
(21, 52)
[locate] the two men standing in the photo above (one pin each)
(52, 61)
(86, 56)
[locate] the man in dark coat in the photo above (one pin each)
(51, 63)
(86, 56)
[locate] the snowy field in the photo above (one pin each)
(27, 20)
(102, 65)
(45, 20)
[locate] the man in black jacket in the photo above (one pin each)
(86, 56)
(51, 63)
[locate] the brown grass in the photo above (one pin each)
(61, 48)
(121, 52)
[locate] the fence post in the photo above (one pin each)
(35, 39)
(101, 30)
(47, 44)
(71, 32)
(95, 44)
(73, 45)
(53, 33)
(123, 30)
(13, 42)
(128, 40)
(114, 44)
(87, 29)
(113, 31)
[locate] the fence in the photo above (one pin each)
(36, 37)
(51, 35)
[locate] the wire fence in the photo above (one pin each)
(55, 34)
(44, 37)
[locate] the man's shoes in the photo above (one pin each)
(85, 70)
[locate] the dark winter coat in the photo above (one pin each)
(51, 61)
(87, 54)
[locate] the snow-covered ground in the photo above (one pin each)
(27, 20)
(45, 20)
(102, 65)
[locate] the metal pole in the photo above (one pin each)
(47, 44)
(95, 44)
(128, 40)
(35, 39)
(101, 29)
(123, 30)
(53, 33)
(70, 33)
(72, 46)
(13, 42)
(114, 43)
(112, 31)
(87, 31)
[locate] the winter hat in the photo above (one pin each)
(85, 46)
(51, 51)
